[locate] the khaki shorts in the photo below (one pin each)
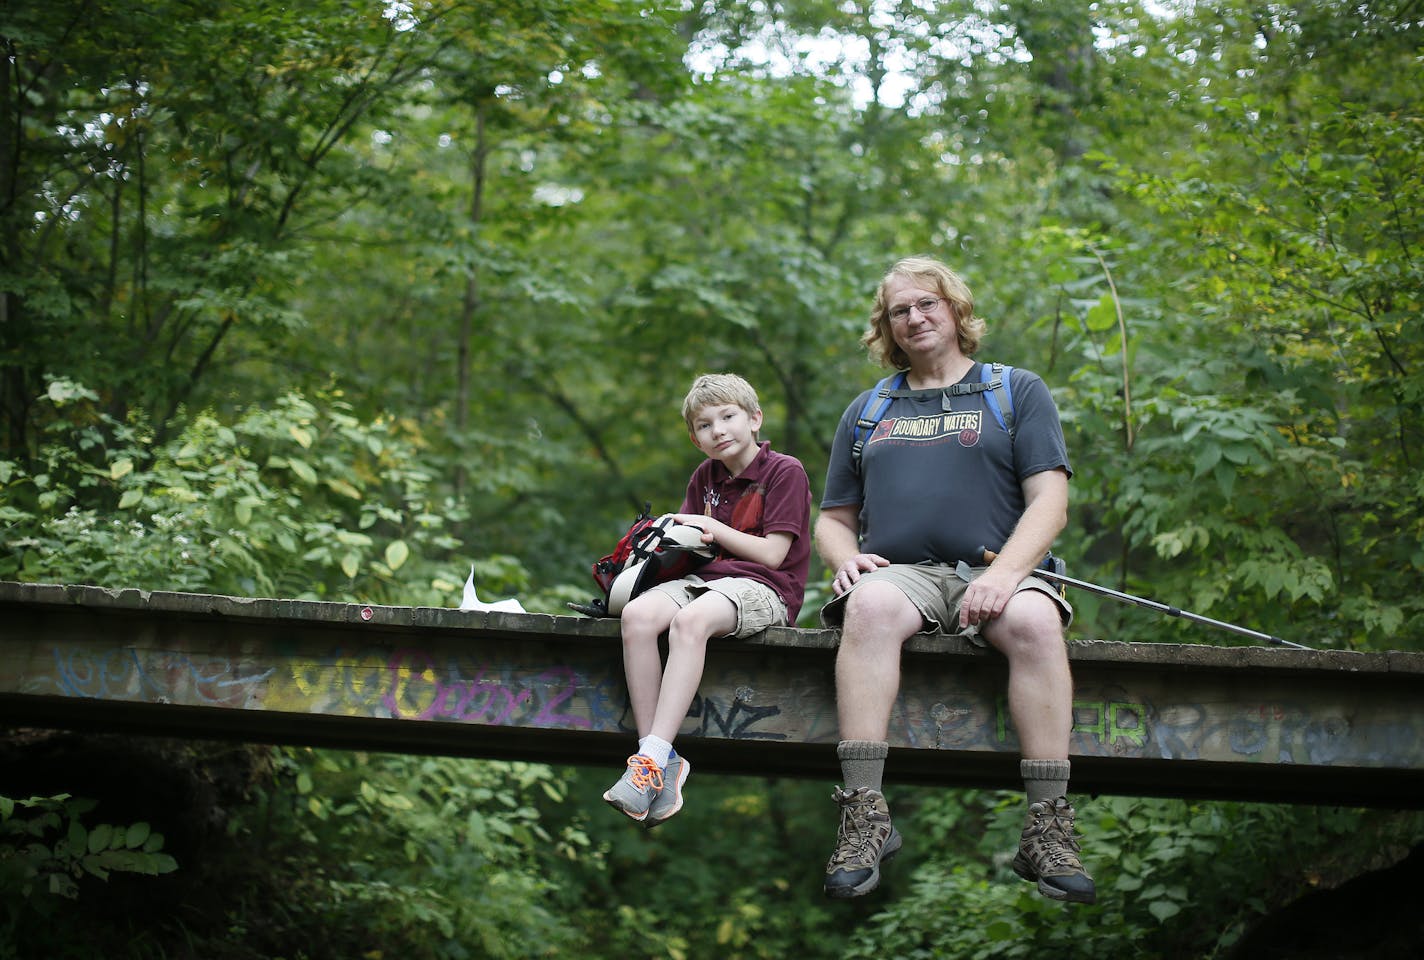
(936, 590)
(758, 606)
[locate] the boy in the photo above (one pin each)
(755, 507)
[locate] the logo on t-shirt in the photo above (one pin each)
(746, 515)
(963, 426)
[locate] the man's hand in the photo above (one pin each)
(986, 596)
(850, 571)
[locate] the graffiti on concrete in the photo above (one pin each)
(119, 673)
(586, 692)
(415, 684)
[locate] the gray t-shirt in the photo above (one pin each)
(939, 477)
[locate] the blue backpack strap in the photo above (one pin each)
(1000, 397)
(875, 406)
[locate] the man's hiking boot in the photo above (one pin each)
(668, 799)
(635, 791)
(866, 839)
(1048, 853)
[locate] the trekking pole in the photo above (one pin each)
(1054, 575)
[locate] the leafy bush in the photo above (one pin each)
(300, 500)
(1175, 879)
(413, 856)
(48, 855)
(32, 864)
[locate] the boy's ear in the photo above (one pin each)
(755, 421)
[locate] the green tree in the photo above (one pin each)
(335, 301)
(1297, 226)
(162, 166)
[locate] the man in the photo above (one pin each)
(906, 518)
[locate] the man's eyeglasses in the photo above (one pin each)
(924, 305)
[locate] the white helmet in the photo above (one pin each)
(664, 550)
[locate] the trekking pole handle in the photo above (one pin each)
(990, 556)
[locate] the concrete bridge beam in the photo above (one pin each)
(1151, 719)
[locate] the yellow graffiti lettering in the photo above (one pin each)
(415, 691)
(366, 679)
(305, 676)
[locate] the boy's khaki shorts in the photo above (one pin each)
(936, 590)
(758, 606)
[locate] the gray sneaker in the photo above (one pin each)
(1048, 853)
(634, 792)
(865, 840)
(669, 799)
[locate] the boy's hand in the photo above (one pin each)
(769, 550)
(703, 523)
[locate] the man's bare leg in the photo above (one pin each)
(1030, 635)
(879, 618)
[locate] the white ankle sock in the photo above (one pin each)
(657, 748)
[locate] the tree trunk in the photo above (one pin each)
(471, 303)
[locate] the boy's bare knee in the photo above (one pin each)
(697, 622)
(642, 620)
(687, 636)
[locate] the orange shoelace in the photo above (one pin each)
(646, 774)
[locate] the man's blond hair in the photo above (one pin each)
(931, 274)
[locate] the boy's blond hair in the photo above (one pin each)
(715, 389)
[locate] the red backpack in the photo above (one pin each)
(654, 550)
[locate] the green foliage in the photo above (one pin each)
(736, 874)
(1201, 232)
(168, 160)
(336, 301)
(1312, 259)
(46, 852)
(300, 499)
(424, 857)
(1174, 879)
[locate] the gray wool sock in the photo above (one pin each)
(1044, 779)
(862, 762)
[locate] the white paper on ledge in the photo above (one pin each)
(472, 602)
